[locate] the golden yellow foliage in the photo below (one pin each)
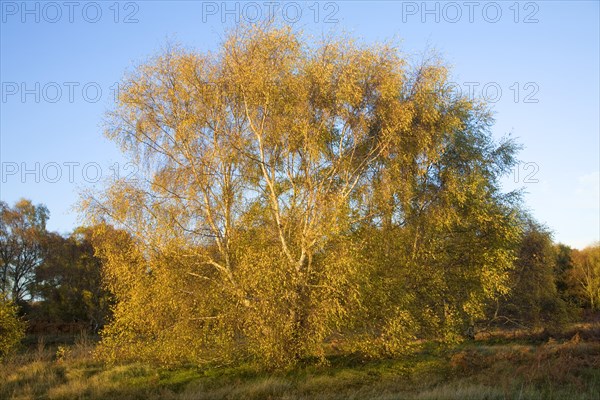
(296, 191)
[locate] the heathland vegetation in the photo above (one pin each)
(316, 219)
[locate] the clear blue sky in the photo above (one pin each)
(542, 56)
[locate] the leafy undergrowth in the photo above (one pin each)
(553, 369)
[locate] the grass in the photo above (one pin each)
(500, 366)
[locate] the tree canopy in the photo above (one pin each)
(22, 228)
(296, 191)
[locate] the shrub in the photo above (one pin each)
(12, 329)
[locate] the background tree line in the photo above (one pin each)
(50, 283)
(297, 193)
